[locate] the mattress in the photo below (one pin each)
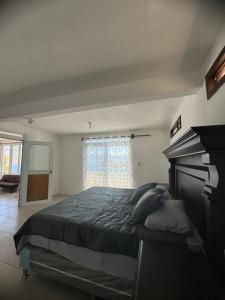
(51, 265)
(112, 264)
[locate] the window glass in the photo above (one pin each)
(39, 158)
(15, 169)
(107, 162)
(6, 159)
(10, 162)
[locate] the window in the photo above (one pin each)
(107, 162)
(215, 78)
(176, 127)
(16, 156)
(5, 159)
(11, 155)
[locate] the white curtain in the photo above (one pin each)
(107, 162)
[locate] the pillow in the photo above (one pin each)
(166, 193)
(148, 202)
(170, 216)
(140, 191)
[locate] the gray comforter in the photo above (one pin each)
(98, 218)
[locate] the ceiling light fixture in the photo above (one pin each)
(29, 120)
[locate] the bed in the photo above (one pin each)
(89, 242)
(92, 234)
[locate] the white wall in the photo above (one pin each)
(197, 110)
(71, 164)
(146, 150)
(38, 135)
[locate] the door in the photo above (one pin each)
(36, 178)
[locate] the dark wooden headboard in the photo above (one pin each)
(197, 175)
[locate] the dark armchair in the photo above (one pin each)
(10, 182)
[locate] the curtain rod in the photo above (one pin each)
(132, 136)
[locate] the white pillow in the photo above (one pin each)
(170, 216)
(166, 194)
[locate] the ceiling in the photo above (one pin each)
(52, 49)
(152, 114)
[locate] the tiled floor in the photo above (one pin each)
(11, 285)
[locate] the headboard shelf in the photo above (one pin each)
(197, 175)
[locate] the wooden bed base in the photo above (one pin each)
(197, 175)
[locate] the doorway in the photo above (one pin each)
(11, 149)
(37, 183)
(31, 166)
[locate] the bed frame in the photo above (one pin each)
(197, 175)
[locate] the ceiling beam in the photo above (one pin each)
(158, 88)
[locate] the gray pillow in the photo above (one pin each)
(140, 191)
(148, 202)
(166, 193)
(170, 216)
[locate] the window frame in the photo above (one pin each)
(11, 157)
(211, 79)
(176, 127)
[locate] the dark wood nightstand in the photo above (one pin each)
(173, 273)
